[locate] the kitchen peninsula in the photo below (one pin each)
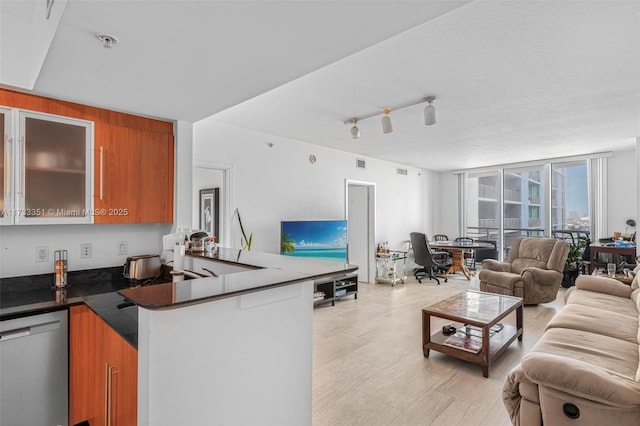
(230, 349)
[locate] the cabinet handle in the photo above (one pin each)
(7, 175)
(24, 164)
(107, 391)
(101, 169)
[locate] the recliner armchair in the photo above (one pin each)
(533, 270)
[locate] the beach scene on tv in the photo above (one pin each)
(319, 239)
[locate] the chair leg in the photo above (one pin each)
(432, 276)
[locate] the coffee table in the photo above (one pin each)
(481, 311)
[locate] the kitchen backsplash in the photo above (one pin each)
(29, 249)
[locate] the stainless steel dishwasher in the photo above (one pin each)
(34, 370)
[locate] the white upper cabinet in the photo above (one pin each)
(51, 176)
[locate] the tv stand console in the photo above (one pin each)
(336, 288)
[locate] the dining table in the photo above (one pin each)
(457, 249)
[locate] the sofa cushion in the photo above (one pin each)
(616, 356)
(596, 320)
(602, 301)
(635, 284)
(544, 253)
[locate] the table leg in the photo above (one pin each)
(485, 350)
(457, 263)
(426, 333)
(519, 322)
(485, 371)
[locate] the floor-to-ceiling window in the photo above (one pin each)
(483, 202)
(570, 196)
(526, 201)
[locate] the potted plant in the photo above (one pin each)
(245, 242)
(574, 262)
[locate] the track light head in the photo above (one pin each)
(386, 121)
(355, 131)
(430, 112)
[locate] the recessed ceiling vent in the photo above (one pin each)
(360, 164)
(403, 172)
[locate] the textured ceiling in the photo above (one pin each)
(514, 80)
(187, 60)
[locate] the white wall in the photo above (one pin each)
(183, 174)
(622, 191)
(448, 206)
(18, 245)
(275, 183)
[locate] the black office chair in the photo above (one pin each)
(481, 255)
(429, 261)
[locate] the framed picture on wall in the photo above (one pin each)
(209, 211)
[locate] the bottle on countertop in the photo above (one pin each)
(60, 263)
(178, 256)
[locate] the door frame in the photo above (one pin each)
(371, 233)
(227, 199)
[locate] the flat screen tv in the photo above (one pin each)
(319, 239)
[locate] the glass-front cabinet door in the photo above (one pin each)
(5, 167)
(55, 163)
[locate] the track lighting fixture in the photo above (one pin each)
(355, 132)
(386, 121)
(430, 112)
(387, 127)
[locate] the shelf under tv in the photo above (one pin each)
(348, 282)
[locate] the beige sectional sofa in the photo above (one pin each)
(585, 369)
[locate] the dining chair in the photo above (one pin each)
(481, 255)
(468, 253)
(440, 237)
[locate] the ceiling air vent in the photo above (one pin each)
(360, 164)
(402, 172)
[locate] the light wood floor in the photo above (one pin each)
(368, 367)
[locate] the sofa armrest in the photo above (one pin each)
(603, 285)
(542, 276)
(511, 393)
(581, 379)
(494, 265)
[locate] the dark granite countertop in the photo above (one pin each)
(269, 271)
(112, 297)
(118, 312)
(20, 296)
(31, 295)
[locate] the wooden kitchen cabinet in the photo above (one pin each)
(103, 372)
(134, 176)
(136, 181)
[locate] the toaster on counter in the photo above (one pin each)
(142, 267)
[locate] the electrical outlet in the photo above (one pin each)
(86, 250)
(122, 248)
(42, 254)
